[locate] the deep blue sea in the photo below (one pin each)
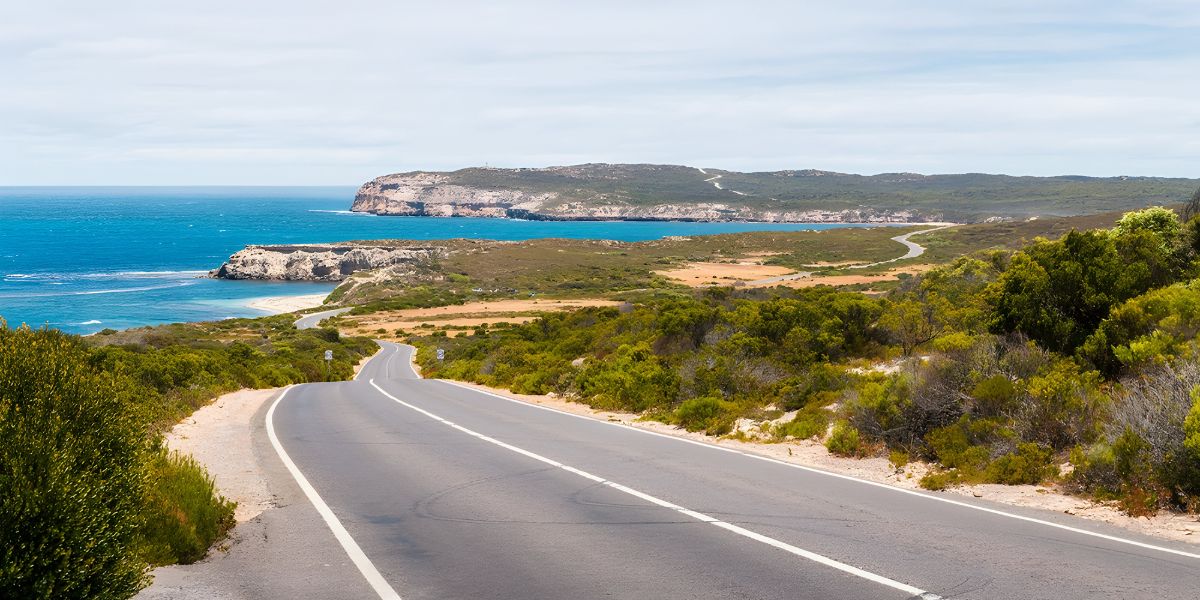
(82, 259)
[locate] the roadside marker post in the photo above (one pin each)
(441, 354)
(328, 361)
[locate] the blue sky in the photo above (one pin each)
(297, 93)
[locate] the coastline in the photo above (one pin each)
(276, 305)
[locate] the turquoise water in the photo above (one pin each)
(82, 259)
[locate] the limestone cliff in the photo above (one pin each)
(674, 192)
(592, 193)
(323, 262)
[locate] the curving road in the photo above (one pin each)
(914, 249)
(396, 487)
(312, 320)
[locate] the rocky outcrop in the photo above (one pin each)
(436, 195)
(323, 262)
(432, 195)
(601, 191)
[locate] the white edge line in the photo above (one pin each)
(885, 486)
(758, 537)
(364, 564)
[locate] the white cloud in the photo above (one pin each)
(303, 92)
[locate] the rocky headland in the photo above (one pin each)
(680, 193)
(425, 194)
(324, 262)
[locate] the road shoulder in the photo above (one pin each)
(1175, 527)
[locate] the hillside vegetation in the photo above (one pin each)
(89, 496)
(963, 197)
(563, 268)
(998, 367)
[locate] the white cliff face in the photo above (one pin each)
(322, 262)
(432, 194)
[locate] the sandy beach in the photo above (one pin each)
(285, 304)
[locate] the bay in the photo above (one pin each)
(86, 258)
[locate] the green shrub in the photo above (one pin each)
(708, 413)
(183, 515)
(1095, 470)
(1030, 464)
(72, 475)
(878, 408)
(632, 378)
(994, 395)
(844, 440)
(940, 480)
(952, 447)
(810, 421)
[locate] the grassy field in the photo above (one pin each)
(560, 268)
(563, 268)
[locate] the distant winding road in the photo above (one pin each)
(391, 486)
(914, 249)
(312, 320)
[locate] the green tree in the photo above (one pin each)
(632, 378)
(1153, 327)
(1057, 292)
(910, 324)
(72, 477)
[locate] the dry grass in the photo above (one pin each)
(471, 314)
(698, 274)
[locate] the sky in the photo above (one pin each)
(269, 92)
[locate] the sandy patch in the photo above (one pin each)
(836, 280)
(219, 436)
(498, 306)
(472, 314)
(1171, 526)
(286, 304)
(420, 324)
(707, 273)
(826, 264)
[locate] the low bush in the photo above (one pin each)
(72, 472)
(809, 422)
(710, 414)
(844, 440)
(183, 515)
(1030, 464)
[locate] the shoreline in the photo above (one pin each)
(665, 220)
(277, 305)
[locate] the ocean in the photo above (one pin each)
(82, 259)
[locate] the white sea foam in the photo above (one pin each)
(52, 276)
(343, 212)
(96, 292)
(92, 322)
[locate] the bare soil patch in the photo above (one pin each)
(837, 280)
(699, 274)
(219, 436)
(471, 314)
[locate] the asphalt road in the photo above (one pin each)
(312, 320)
(441, 491)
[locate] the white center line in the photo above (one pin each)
(758, 537)
(881, 485)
